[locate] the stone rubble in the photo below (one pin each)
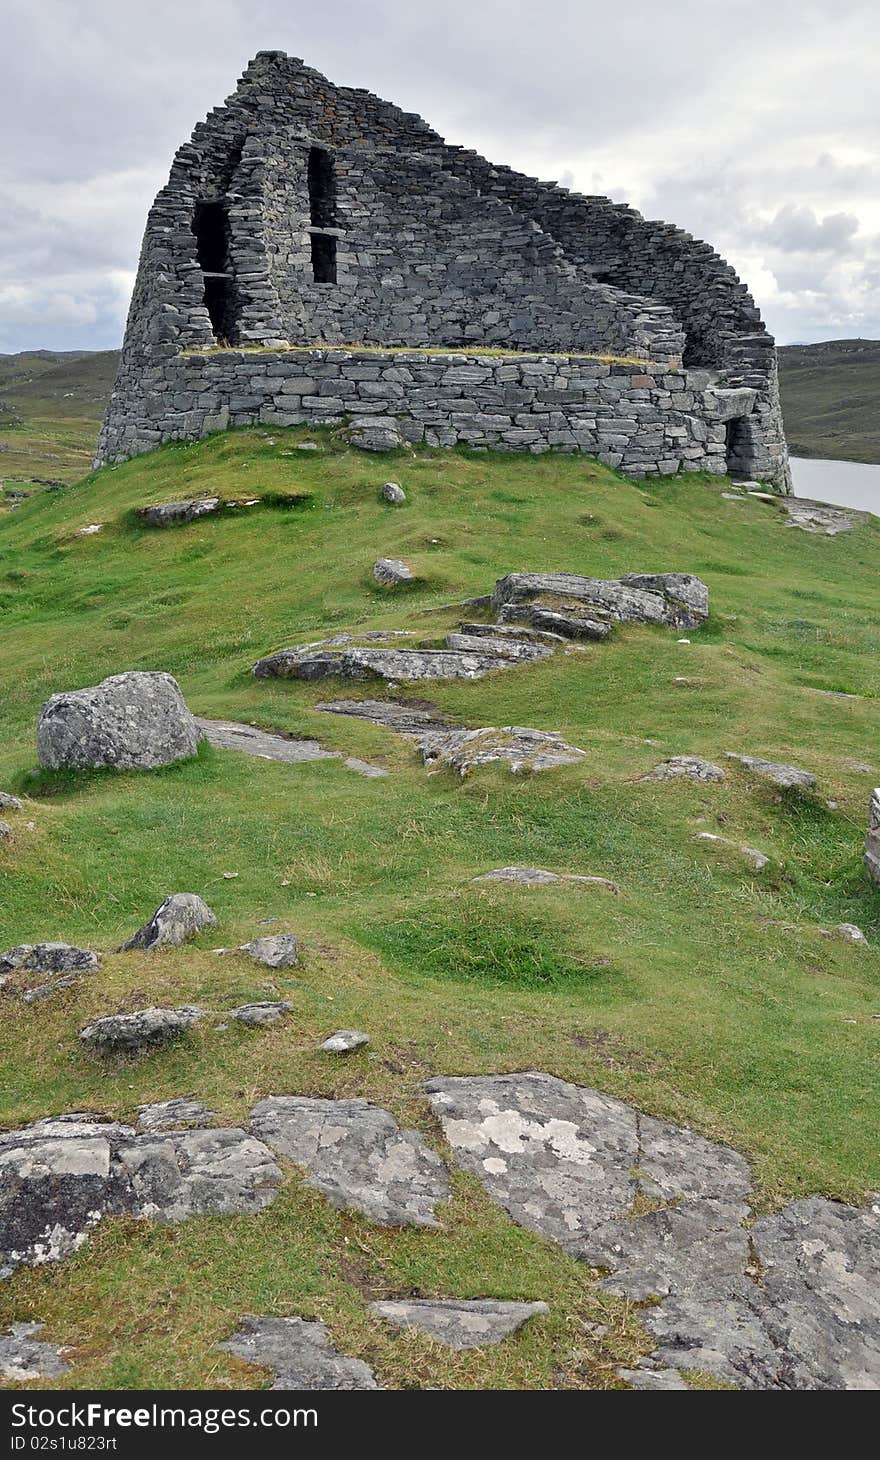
(128, 721)
(300, 1354)
(357, 1156)
(459, 1323)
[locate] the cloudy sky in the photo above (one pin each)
(755, 124)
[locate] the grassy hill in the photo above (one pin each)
(831, 399)
(51, 405)
(704, 993)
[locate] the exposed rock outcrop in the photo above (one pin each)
(141, 1030)
(459, 1323)
(677, 599)
(181, 916)
(259, 1015)
(171, 514)
(390, 572)
(538, 877)
(25, 1356)
(787, 777)
(129, 721)
(522, 748)
(689, 767)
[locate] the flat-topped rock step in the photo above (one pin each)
(171, 514)
(60, 1177)
(819, 517)
(677, 599)
(228, 735)
(573, 1164)
(299, 1354)
(356, 1154)
(521, 747)
(459, 1323)
(519, 650)
(403, 718)
(512, 631)
(389, 664)
(565, 620)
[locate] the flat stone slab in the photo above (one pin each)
(513, 631)
(278, 950)
(389, 664)
(357, 1156)
(786, 777)
(141, 1030)
(300, 1354)
(791, 1303)
(180, 917)
(128, 721)
(166, 1114)
(677, 599)
(396, 715)
(227, 735)
(260, 1014)
(345, 1040)
(25, 1356)
(521, 747)
(689, 767)
(821, 518)
(60, 1177)
(565, 619)
(521, 651)
(457, 1322)
(539, 877)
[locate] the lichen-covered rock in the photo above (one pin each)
(690, 767)
(677, 599)
(459, 1323)
(299, 1354)
(404, 719)
(5, 830)
(514, 632)
(390, 572)
(357, 1156)
(787, 777)
(145, 1028)
(167, 1114)
(538, 877)
(394, 493)
(261, 1014)
(567, 620)
(48, 958)
(344, 1041)
(129, 721)
(521, 651)
(522, 748)
(60, 1177)
(180, 916)
(791, 1302)
(278, 950)
(25, 1356)
(366, 663)
(170, 514)
(872, 839)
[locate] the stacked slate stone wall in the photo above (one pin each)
(646, 422)
(428, 246)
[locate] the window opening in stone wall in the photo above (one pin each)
(322, 188)
(738, 446)
(324, 258)
(211, 228)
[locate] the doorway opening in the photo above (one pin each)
(211, 228)
(738, 446)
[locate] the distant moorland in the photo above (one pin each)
(831, 399)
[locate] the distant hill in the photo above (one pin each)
(831, 399)
(51, 405)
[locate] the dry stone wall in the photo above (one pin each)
(305, 214)
(644, 421)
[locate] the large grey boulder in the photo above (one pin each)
(790, 1301)
(60, 1177)
(299, 1354)
(459, 1323)
(129, 721)
(390, 572)
(179, 917)
(787, 777)
(143, 1029)
(522, 748)
(872, 839)
(171, 514)
(356, 1154)
(25, 1356)
(677, 599)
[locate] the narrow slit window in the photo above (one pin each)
(324, 258)
(322, 188)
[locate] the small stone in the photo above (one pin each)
(345, 1040)
(307, 446)
(180, 917)
(90, 530)
(260, 1014)
(393, 492)
(278, 950)
(145, 1028)
(688, 766)
(24, 1356)
(299, 1354)
(5, 830)
(392, 571)
(9, 803)
(851, 933)
(459, 1323)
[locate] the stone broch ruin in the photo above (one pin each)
(319, 256)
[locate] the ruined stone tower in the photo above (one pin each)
(320, 256)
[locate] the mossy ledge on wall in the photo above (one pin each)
(645, 419)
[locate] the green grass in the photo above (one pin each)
(705, 993)
(51, 405)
